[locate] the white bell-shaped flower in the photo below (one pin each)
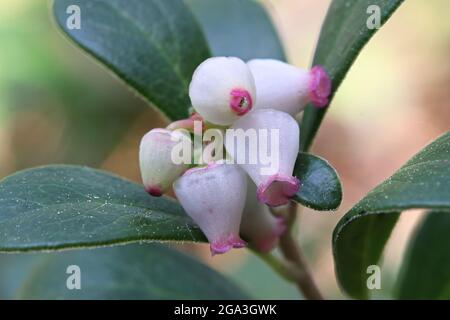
(284, 87)
(259, 226)
(222, 89)
(265, 143)
(159, 169)
(214, 197)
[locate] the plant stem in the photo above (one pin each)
(293, 254)
(284, 268)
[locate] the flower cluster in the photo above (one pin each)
(229, 200)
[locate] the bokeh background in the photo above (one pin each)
(57, 105)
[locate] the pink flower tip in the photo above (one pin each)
(223, 246)
(154, 191)
(241, 101)
(269, 242)
(277, 190)
(319, 87)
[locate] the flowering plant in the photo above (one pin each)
(231, 167)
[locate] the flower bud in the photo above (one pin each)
(259, 225)
(284, 87)
(270, 160)
(158, 170)
(222, 89)
(214, 197)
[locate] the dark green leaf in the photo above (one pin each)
(58, 207)
(426, 267)
(89, 112)
(360, 236)
(239, 28)
(344, 33)
(153, 45)
(128, 272)
(320, 187)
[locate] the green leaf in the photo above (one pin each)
(58, 207)
(90, 113)
(14, 268)
(320, 187)
(153, 45)
(344, 33)
(128, 272)
(426, 268)
(239, 28)
(360, 236)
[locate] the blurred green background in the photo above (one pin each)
(58, 105)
